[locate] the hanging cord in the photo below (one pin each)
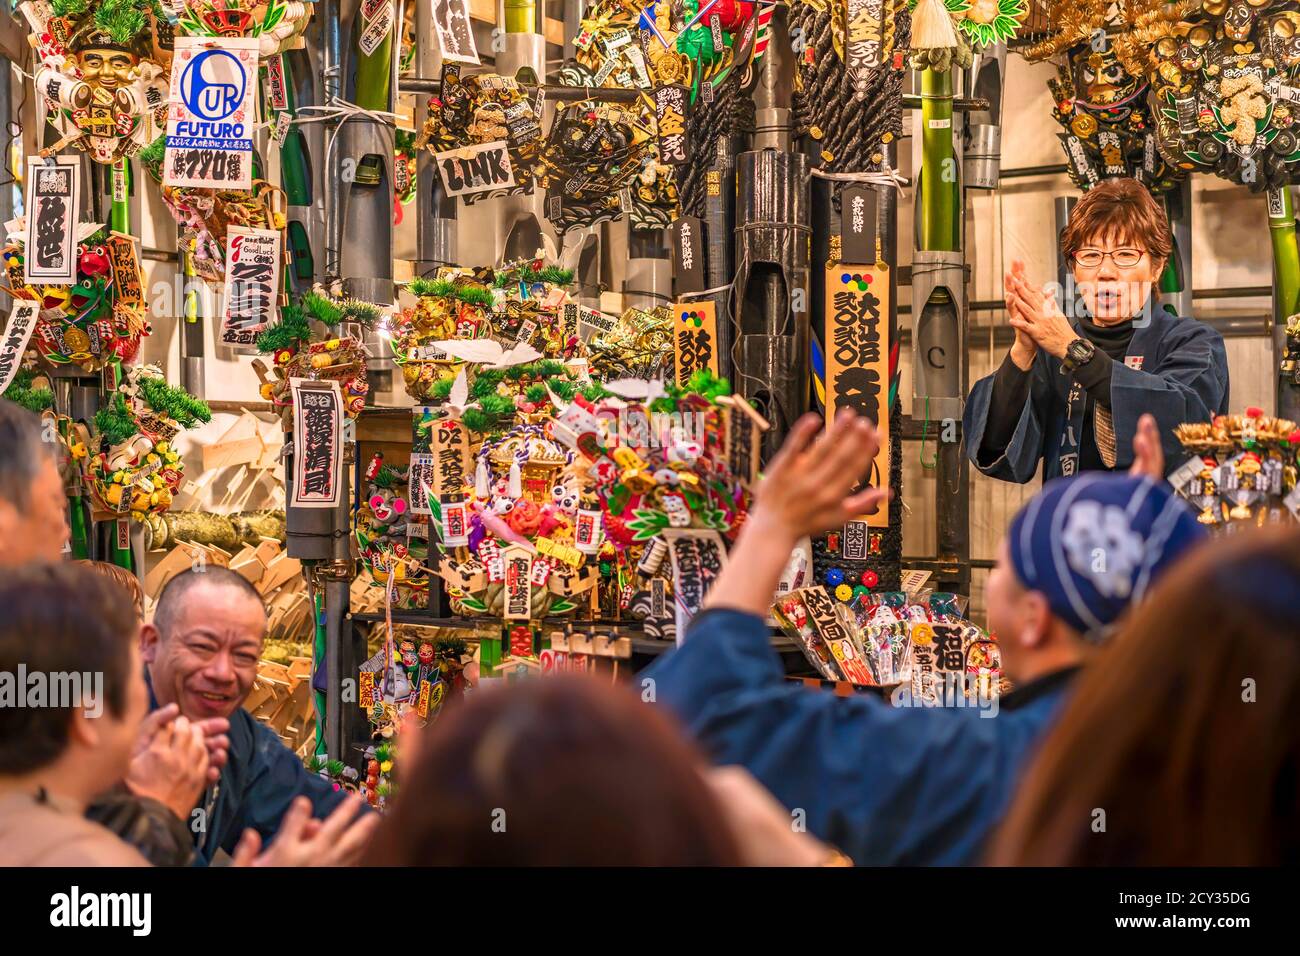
(925, 430)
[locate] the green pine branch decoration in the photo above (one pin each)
(68, 8)
(114, 422)
(123, 20)
(176, 403)
(20, 392)
(446, 289)
(528, 275)
(289, 333)
(320, 308)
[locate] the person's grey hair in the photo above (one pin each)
(21, 448)
(173, 596)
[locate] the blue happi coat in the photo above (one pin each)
(1176, 369)
(887, 785)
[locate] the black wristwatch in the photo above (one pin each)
(1077, 353)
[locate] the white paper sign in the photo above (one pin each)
(252, 284)
(475, 169)
(698, 557)
(252, 288)
(317, 443)
(419, 482)
(53, 198)
(14, 343)
(211, 113)
(455, 33)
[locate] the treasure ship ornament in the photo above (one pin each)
(1243, 470)
(277, 24)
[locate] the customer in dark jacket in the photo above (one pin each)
(201, 654)
(904, 785)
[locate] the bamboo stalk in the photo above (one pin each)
(938, 189)
(1286, 260)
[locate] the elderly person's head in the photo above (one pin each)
(1117, 243)
(204, 642)
(1075, 559)
(33, 506)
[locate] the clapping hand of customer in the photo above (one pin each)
(170, 762)
(303, 841)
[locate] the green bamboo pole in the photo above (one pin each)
(293, 155)
(1286, 260)
(939, 188)
(374, 83)
(521, 16)
(120, 216)
(120, 221)
(318, 651)
(79, 529)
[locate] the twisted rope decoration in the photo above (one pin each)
(730, 113)
(852, 128)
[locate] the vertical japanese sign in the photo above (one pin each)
(14, 342)
(53, 198)
(856, 337)
(455, 34)
(670, 124)
(419, 482)
(744, 430)
(450, 446)
(698, 557)
(277, 91)
(317, 444)
(210, 117)
(695, 338)
(376, 23)
(252, 283)
(866, 36)
(518, 584)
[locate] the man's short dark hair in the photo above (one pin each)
(21, 448)
(59, 619)
(173, 593)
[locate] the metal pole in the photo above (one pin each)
(436, 227)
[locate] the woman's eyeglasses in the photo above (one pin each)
(1123, 258)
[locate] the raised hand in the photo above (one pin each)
(302, 841)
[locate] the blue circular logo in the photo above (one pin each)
(212, 88)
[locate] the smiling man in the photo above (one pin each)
(201, 653)
(1071, 389)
